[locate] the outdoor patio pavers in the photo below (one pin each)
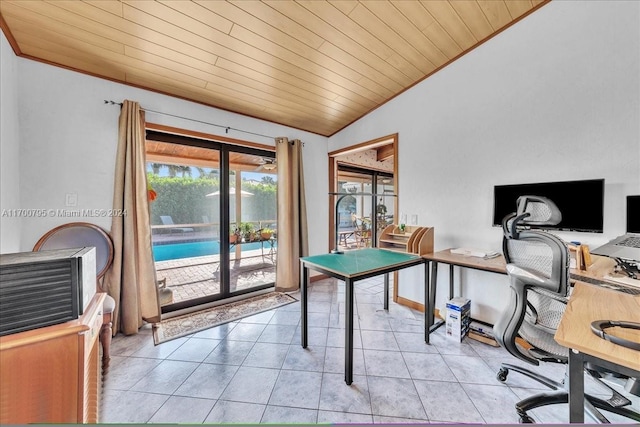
(197, 277)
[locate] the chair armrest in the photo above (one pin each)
(525, 275)
(527, 278)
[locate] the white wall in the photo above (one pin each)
(68, 140)
(555, 97)
(9, 150)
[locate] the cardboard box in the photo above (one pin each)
(483, 333)
(458, 318)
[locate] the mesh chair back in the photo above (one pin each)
(531, 254)
(538, 267)
(542, 317)
(539, 210)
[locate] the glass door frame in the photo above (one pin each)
(388, 146)
(226, 220)
(374, 175)
(224, 169)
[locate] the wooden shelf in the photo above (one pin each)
(415, 239)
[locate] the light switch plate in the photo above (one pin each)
(71, 199)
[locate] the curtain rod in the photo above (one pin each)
(226, 128)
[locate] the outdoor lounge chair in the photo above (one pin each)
(167, 220)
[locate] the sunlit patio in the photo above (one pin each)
(195, 277)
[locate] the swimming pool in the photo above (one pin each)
(170, 251)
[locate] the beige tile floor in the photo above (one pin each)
(255, 371)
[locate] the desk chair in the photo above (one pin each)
(79, 235)
(538, 269)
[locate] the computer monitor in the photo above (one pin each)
(581, 202)
(633, 214)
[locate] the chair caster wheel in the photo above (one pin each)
(502, 375)
(526, 419)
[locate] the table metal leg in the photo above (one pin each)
(272, 251)
(451, 271)
(576, 387)
(348, 332)
(386, 291)
(427, 304)
(303, 304)
(432, 291)
(433, 325)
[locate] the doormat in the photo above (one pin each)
(187, 324)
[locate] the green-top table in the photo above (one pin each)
(352, 266)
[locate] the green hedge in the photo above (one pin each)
(184, 199)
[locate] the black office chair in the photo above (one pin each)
(538, 269)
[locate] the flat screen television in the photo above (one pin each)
(580, 202)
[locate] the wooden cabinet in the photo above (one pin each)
(414, 239)
(52, 374)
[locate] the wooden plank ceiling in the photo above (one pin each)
(309, 64)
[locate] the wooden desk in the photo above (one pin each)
(352, 266)
(494, 265)
(586, 304)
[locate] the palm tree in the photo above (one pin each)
(173, 170)
(184, 170)
(267, 180)
(156, 167)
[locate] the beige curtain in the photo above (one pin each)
(292, 215)
(131, 281)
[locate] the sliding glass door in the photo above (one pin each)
(253, 222)
(363, 216)
(213, 202)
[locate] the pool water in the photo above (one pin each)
(193, 249)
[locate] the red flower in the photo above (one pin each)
(152, 194)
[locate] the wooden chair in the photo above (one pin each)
(83, 234)
(362, 233)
